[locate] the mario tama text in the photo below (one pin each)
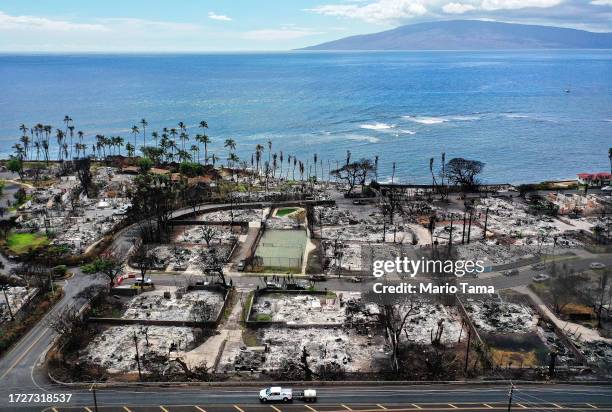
(432, 288)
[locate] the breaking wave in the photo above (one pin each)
(377, 126)
(426, 119)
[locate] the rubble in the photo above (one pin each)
(421, 327)
(302, 309)
(115, 351)
(17, 297)
(491, 316)
(195, 305)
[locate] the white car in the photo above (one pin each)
(540, 278)
(597, 265)
(275, 393)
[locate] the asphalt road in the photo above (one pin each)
(341, 398)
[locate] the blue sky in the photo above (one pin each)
(253, 25)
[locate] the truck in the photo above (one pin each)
(279, 394)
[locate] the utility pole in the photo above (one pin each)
(510, 396)
(467, 351)
(93, 390)
(8, 305)
(484, 234)
(137, 356)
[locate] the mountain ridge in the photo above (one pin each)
(471, 35)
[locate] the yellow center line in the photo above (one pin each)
(54, 410)
(416, 406)
(380, 406)
(238, 408)
(23, 354)
(346, 407)
(198, 408)
(311, 408)
(592, 406)
(487, 405)
(163, 409)
(275, 408)
(127, 409)
(87, 409)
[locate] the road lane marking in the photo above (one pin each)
(163, 409)
(346, 407)
(487, 405)
(198, 408)
(380, 406)
(54, 410)
(452, 406)
(592, 406)
(238, 408)
(25, 352)
(311, 408)
(127, 409)
(522, 406)
(416, 406)
(557, 406)
(275, 408)
(87, 409)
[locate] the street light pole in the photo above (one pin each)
(93, 390)
(510, 396)
(8, 305)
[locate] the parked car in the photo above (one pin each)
(540, 277)
(241, 265)
(597, 265)
(140, 283)
(513, 272)
(538, 266)
(317, 278)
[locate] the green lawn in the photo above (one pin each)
(22, 242)
(285, 211)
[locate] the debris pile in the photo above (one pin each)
(195, 305)
(114, 349)
(501, 317)
(17, 297)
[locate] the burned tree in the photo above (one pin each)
(393, 312)
(209, 233)
(355, 173)
(82, 168)
(464, 172)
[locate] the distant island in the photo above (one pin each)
(471, 35)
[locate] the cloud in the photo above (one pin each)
(517, 4)
(284, 33)
(220, 17)
(602, 2)
(457, 8)
(8, 22)
(381, 11)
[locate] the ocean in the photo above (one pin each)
(529, 115)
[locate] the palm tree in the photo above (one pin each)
(195, 149)
(214, 159)
(144, 124)
(71, 131)
(269, 149)
(274, 164)
(205, 140)
(37, 147)
(203, 124)
(231, 144)
(130, 149)
(25, 139)
(135, 132)
(258, 151)
(173, 133)
(155, 136)
(315, 165)
(183, 137)
(610, 157)
(232, 159)
(59, 136)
